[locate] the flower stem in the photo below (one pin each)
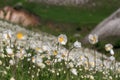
(94, 58)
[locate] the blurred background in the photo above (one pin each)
(75, 18)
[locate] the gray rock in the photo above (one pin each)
(61, 2)
(108, 27)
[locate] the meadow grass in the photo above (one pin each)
(69, 14)
(70, 19)
(47, 62)
(78, 17)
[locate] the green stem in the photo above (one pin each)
(68, 61)
(94, 58)
(102, 62)
(69, 54)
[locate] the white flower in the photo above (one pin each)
(92, 64)
(33, 76)
(108, 47)
(12, 62)
(91, 77)
(8, 68)
(20, 54)
(7, 34)
(28, 59)
(5, 72)
(52, 70)
(55, 52)
(63, 52)
(74, 71)
(20, 35)
(33, 59)
(93, 38)
(37, 59)
(41, 65)
(2, 55)
(45, 47)
(71, 65)
(40, 50)
(77, 44)
(0, 62)
(62, 39)
(9, 51)
(12, 78)
(48, 62)
(112, 58)
(29, 55)
(111, 52)
(110, 77)
(57, 74)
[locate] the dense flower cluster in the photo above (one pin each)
(24, 53)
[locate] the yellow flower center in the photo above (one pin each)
(92, 63)
(8, 36)
(47, 62)
(19, 35)
(61, 39)
(108, 48)
(63, 55)
(55, 52)
(33, 59)
(94, 39)
(37, 49)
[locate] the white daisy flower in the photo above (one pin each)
(33, 59)
(20, 54)
(41, 65)
(12, 62)
(112, 52)
(108, 47)
(12, 78)
(40, 50)
(112, 58)
(93, 38)
(37, 59)
(74, 71)
(7, 34)
(20, 35)
(71, 65)
(62, 39)
(45, 47)
(5, 72)
(0, 62)
(77, 44)
(10, 51)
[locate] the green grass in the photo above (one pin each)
(55, 68)
(73, 15)
(82, 18)
(63, 14)
(68, 20)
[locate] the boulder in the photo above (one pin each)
(19, 16)
(108, 27)
(62, 2)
